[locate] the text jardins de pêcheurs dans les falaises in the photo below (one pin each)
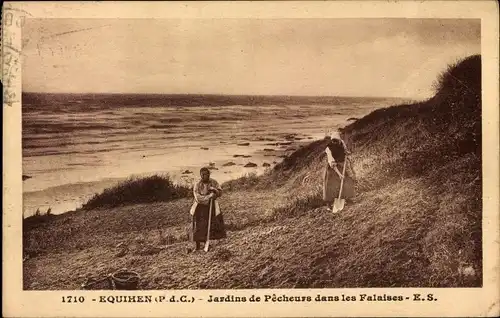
(320, 298)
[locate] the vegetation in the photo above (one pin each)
(139, 190)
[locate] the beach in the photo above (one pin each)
(75, 146)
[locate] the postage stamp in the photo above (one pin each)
(250, 159)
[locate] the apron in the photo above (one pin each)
(331, 184)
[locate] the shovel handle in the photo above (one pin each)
(207, 243)
(342, 179)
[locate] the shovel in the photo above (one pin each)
(338, 203)
(207, 243)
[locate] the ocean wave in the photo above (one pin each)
(64, 127)
(162, 126)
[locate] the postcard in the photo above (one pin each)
(244, 159)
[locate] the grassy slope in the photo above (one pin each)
(416, 221)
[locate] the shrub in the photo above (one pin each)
(139, 190)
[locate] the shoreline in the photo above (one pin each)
(161, 139)
(72, 196)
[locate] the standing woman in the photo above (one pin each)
(204, 190)
(337, 157)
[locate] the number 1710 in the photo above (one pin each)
(73, 299)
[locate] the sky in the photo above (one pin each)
(334, 57)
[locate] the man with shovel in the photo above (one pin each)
(207, 220)
(338, 185)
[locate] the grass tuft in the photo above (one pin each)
(139, 190)
(247, 181)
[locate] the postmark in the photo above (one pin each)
(13, 20)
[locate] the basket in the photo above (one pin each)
(125, 280)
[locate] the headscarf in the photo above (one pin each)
(335, 135)
(204, 169)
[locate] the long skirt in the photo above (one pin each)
(331, 184)
(200, 224)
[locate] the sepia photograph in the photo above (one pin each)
(251, 153)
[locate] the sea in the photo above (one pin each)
(77, 145)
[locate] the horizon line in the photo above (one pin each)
(216, 94)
